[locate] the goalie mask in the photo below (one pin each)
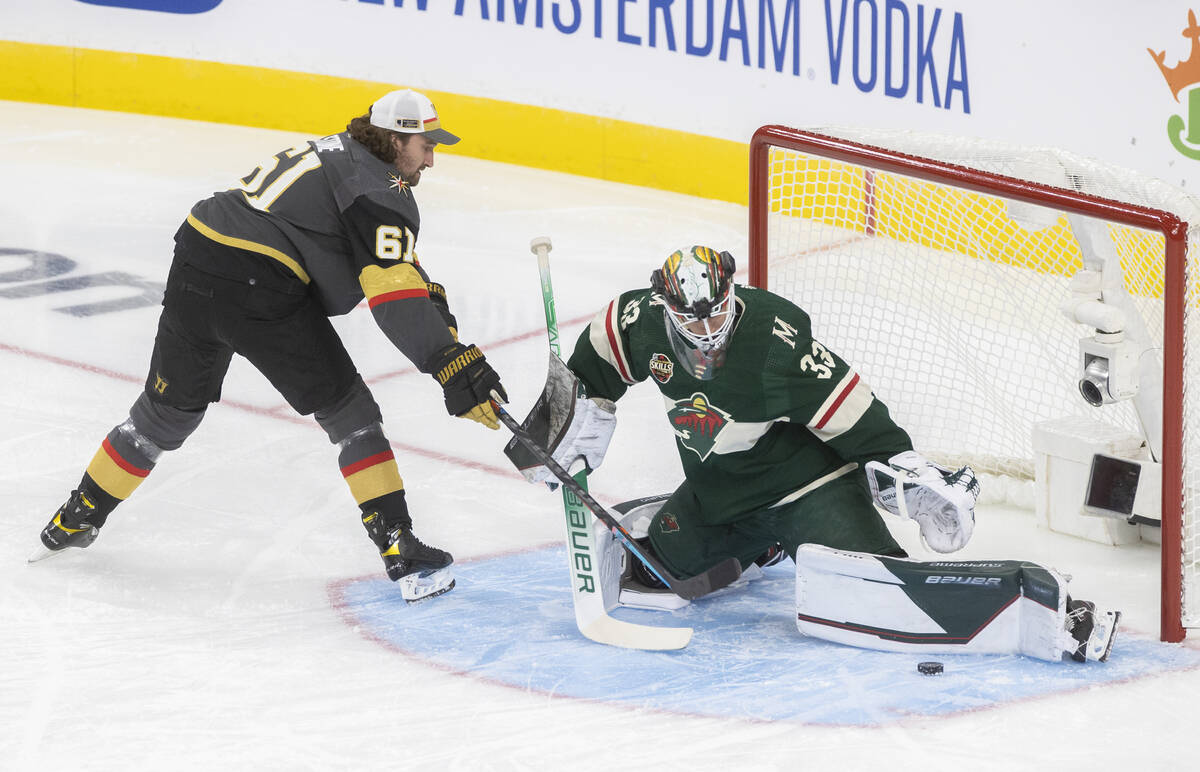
(696, 285)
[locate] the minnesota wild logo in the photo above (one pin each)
(697, 423)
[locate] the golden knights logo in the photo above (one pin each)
(661, 368)
(697, 424)
(398, 183)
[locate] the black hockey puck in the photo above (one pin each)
(929, 668)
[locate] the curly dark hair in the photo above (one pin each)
(378, 141)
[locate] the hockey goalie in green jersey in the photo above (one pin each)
(786, 451)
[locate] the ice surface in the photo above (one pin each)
(214, 624)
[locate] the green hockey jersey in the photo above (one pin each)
(782, 416)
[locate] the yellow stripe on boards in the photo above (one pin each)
(491, 129)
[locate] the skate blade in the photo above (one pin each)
(415, 587)
(42, 553)
(433, 594)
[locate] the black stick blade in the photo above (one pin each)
(721, 575)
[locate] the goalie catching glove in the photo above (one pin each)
(468, 383)
(941, 501)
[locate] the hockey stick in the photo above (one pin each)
(591, 607)
(713, 579)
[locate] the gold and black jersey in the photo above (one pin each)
(329, 215)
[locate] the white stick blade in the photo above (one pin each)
(614, 632)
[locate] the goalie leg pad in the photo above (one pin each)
(941, 607)
(619, 569)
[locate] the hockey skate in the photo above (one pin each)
(1089, 631)
(420, 570)
(69, 527)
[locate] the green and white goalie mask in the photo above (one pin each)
(696, 285)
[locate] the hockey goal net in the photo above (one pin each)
(940, 267)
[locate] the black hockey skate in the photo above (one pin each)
(70, 526)
(1091, 630)
(774, 554)
(421, 571)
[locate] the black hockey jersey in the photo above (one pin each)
(783, 414)
(332, 216)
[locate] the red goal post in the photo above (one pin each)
(848, 208)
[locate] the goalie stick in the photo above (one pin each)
(590, 606)
(720, 575)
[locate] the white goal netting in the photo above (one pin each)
(945, 294)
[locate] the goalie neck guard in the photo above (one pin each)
(696, 285)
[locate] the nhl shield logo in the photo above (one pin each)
(661, 368)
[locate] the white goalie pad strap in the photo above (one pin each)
(854, 598)
(940, 501)
(587, 437)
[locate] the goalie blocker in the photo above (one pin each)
(567, 424)
(946, 607)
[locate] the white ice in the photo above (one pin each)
(198, 632)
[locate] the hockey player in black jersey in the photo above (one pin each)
(787, 451)
(258, 270)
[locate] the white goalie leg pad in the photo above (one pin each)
(422, 585)
(610, 562)
(595, 557)
(635, 516)
(865, 601)
(615, 562)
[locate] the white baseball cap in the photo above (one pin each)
(410, 112)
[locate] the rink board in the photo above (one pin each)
(509, 621)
